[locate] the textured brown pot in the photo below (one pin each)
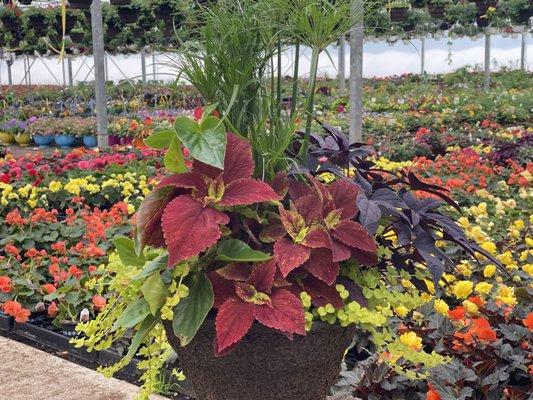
(266, 365)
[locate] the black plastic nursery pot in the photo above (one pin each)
(482, 22)
(10, 22)
(128, 15)
(265, 365)
(524, 15)
(52, 339)
(120, 2)
(419, 3)
(165, 12)
(398, 14)
(6, 322)
(37, 22)
(77, 37)
(80, 4)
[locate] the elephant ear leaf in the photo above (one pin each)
(206, 141)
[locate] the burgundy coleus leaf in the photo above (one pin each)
(236, 272)
(280, 183)
(223, 289)
(286, 313)
(321, 265)
(148, 217)
(290, 255)
(190, 228)
(321, 293)
(234, 319)
(344, 194)
(247, 191)
(263, 275)
(355, 236)
(273, 231)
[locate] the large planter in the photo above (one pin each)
(65, 141)
(43, 140)
(6, 138)
(265, 365)
(90, 140)
(23, 139)
(127, 141)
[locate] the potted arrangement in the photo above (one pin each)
(65, 136)
(36, 18)
(89, 132)
(77, 35)
(398, 10)
(17, 128)
(520, 10)
(80, 4)
(129, 14)
(10, 17)
(165, 10)
(253, 268)
(71, 19)
(117, 129)
(6, 136)
(42, 131)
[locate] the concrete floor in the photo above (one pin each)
(30, 374)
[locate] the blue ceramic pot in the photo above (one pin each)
(43, 140)
(65, 141)
(90, 140)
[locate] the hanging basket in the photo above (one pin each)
(398, 14)
(524, 15)
(419, 3)
(37, 22)
(482, 22)
(80, 4)
(409, 27)
(10, 22)
(70, 23)
(436, 10)
(25, 2)
(120, 2)
(128, 15)
(77, 37)
(164, 12)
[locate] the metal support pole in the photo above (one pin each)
(153, 67)
(423, 56)
(63, 70)
(25, 80)
(486, 78)
(143, 66)
(99, 72)
(106, 66)
(341, 66)
(523, 51)
(69, 68)
(9, 76)
(356, 73)
(29, 68)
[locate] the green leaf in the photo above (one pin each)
(132, 315)
(160, 139)
(205, 141)
(147, 325)
(191, 311)
(155, 292)
(151, 267)
(126, 251)
(174, 160)
(237, 250)
(208, 110)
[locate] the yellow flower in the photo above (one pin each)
(506, 295)
(519, 224)
(489, 247)
(528, 269)
(412, 340)
(464, 222)
(483, 287)
(470, 307)
(401, 311)
(462, 289)
(32, 203)
(506, 258)
(529, 242)
(489, 271)
(55, 186)
(441, 307)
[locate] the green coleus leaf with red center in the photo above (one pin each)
(191, 222)
(320, 230)
(258, 298)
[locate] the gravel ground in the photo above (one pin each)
(30, 374)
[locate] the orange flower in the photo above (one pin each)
(482, 329)
(458, 313)
(31, 253)
(12, 250)
(15, 309)
(432, 394)
(528, 321)
(478, 301)
(5, 284)
(52, 309)
(99, 302)
(59, 247)
(75, 272)
(48, 288)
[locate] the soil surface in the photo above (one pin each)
(27, 373)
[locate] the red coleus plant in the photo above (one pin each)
(244, 294)
(191, 221)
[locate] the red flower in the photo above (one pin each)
(528, 321)
(31, 253)
(458, 313)
(48, 288)
(251, 295)
(432, 394)
(12, 250)
(99, 302)
(191, 222)
(14, 218)
(59, 247)
(5, 284)
(75, 272)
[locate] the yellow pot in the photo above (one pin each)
(23, 139)
(6, 138)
